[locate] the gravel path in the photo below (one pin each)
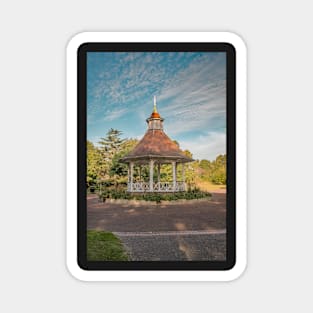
(178, 246)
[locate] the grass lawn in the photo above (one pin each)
(104, 246)
(208, 186)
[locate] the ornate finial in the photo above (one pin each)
(154, 106)
(155, 113)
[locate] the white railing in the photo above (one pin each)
(157, 187)
(139, 187)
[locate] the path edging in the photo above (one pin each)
(181, 201)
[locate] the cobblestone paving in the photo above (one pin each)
(175, 247)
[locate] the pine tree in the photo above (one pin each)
(109, 146)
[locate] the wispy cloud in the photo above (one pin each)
(114, 114)
(191, 91)
(206, 146)
(198, 96)
(129, 77)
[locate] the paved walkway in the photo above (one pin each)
(165, 232)
(173, 246)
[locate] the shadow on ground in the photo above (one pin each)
(209, 215)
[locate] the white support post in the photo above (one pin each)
(183, 174)
(128, 177)
(159, 172)
(131, 176)
(174, 175)
(151, 175)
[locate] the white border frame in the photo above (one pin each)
(71, 201)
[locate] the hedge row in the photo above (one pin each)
(158, 197)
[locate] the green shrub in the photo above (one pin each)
(190, 194)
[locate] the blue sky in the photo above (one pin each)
(190, 90)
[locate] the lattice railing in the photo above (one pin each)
(139, 187)
(157, 187)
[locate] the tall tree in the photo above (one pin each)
(109, 146)
(111, 143)
(117, 168)
(95, 164)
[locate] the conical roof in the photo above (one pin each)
(156, 144)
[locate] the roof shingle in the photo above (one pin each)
(156, 144)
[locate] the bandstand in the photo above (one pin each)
(156, 149)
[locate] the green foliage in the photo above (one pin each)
(103, 165)
(111, 144)
(214, 171)
(96, 166)
(205, 164)
(103, 161)
(194, 193)
(188, 153)
(117, 169)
